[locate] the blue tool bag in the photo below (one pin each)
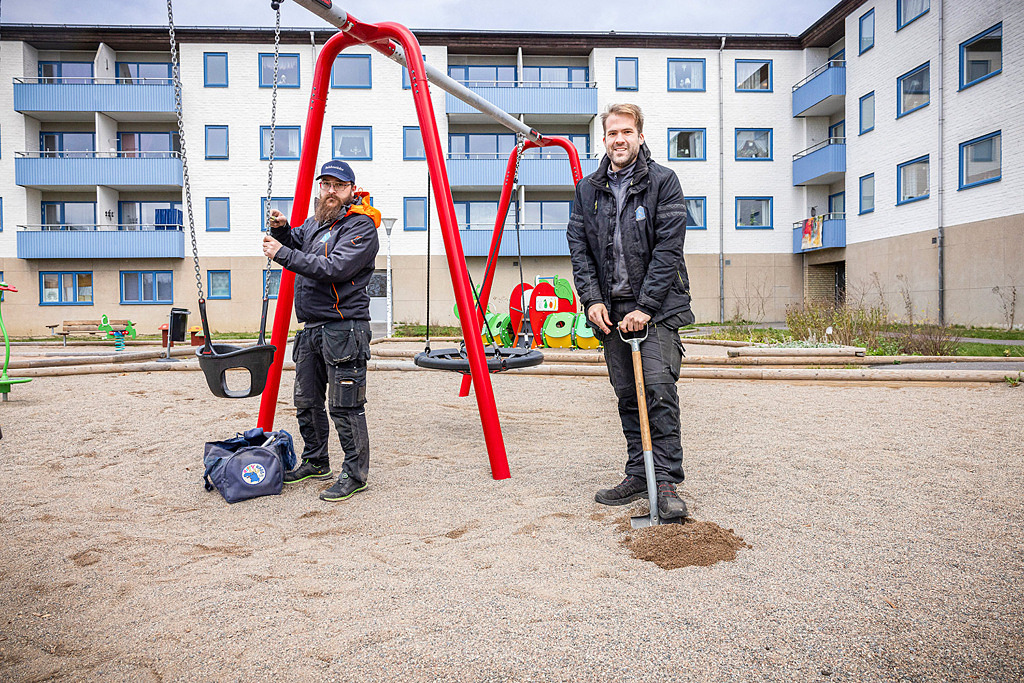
(249, 465)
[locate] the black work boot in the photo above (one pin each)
(670, 505)
(344, 488)
(627, 491)
(308, 470)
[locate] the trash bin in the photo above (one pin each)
(179, 323)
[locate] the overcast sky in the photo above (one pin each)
(675, 16)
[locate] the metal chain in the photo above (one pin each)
(176, 73)
(273, 135)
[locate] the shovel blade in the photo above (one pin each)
(643, 521)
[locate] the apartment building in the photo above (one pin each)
(884, 123)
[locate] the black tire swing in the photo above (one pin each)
(215, 360)
(499, 358)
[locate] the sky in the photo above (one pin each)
(673, 16)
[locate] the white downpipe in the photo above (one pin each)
(721, 183)
(940, 102)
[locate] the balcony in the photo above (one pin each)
(823, 92)
(830, 234)
(100, 241)
(487, 171)
(535, 240)
(548, 101)
(83, 171)
(821, 164)
(53, 99)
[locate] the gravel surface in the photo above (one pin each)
(884, 524)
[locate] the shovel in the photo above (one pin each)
(651, 519)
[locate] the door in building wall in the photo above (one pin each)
(378, 291)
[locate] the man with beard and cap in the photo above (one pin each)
(625, 238)
(332, 255)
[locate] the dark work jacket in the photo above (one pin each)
(654, 229)
(330, 275)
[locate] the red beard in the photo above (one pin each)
(327, 210)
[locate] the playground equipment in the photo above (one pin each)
(117, 335)
(5, 381)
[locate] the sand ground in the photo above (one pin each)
(885, 523)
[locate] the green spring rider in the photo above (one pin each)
(5, 381)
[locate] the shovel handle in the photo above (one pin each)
(641, 393)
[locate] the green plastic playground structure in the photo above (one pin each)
(5, 381)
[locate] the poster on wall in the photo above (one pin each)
(811, 238)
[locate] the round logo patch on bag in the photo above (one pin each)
(254, 473)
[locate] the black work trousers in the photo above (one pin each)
(331, 359)
(661, 353)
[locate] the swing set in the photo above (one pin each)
(265, 361)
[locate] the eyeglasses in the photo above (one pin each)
(334, 187)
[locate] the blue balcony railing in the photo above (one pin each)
(100, 241)
(829, 235)
(129, 95)
(488, 170)
(821, 164)
(578, 99)
(534, 240)
(823, 92)
(85, 169)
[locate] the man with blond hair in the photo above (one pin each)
(626, 238)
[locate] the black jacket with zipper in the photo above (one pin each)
(654, 229)
(333, 264)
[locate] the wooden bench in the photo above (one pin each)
(83, 327)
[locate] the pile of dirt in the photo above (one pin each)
(694, 544)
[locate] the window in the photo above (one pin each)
(626, 73)
(908, 10)
(753, 212)
(696, 213)
(912, 181)
(753, 144)
(867, 112)
(1, 228)
(837, 130)
(839, 57)
(686, 74)
(981, 57)
(218, 213)
(482, 215)
(271, 283)
(415, 213)
(412, 144)
(143, 72)
(484, 76)
(65, 72)
(686, 144)
(867, 193)
(553, 215)
(287, 70)
(837, 204)
(351, 71)
(147, 287)
(913, 90)
(216, 142)
(406, 84)
(352, 142)
(149, 215)
(286, 142)
(57, 289)
(282, 204)
(555, 77)
(69, 215)
(981, 160)
(753, 75)
(215, 69)
(70, 145)
(867, 31)
(480, 145)
(218, 284)
(161, 144)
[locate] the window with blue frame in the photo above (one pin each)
(65, 72)
(484, 75)
(352, 142)
(837, 205)
(272, 282)
(867, 112)
(351, 71)
(838, 130)
(754, 144)
(867, 31)
(909, 10)
(581, 141)
(215, 69)
(69, 215)
(981, 160)
(687, 144)
(216, 142)
(414, 213)
(149, 215)
(286, 142)
(1, 227)
(218, 214)
(412, 144)
(696, 213)
(544, 215)
(480, 145)
(65, 289)
(754, 213)
(218, 284)
(282, 204)
(287, 70)
(912, 180)
(406, 83)
(555, 77)
(70, 145)
(147, 287)
(686, 74)
(160, 144)
(627, 73)
(837, 59)
(913, 90)
(867, 193)
(154, 73)
(753, 75)
(981, 57)
(482, 215)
